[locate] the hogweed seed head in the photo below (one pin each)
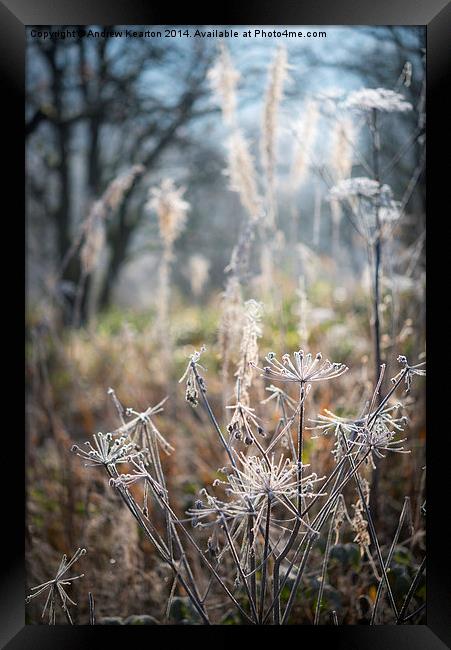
(304, 369)
(106, 451)
(56, 588)
(242, 174)
(379, 99)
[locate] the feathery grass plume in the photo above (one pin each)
(305, 132)
(231, 323)
(198, 270)
(171, 209)
(55, 588)
(242, 174)
(92, 236)
(93, 228)
(277, 76)
(223, 78)
(251, 332)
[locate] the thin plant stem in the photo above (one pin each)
(377, 255)
(204, 559)
(201, 387)
(240, 569)
(324, 569)
(372, 528)
(253, 577)
(265, 561)
(400, 619)
(405, 510)
(92, 618)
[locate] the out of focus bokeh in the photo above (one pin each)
(173, 186)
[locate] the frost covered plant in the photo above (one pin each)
(378, 439)
(242, 174)
(56, 589)
(408, 372)
(140, 474)
(380, 99)
(260, 477)
(254, 485)
(212, 510)
(280, 396)
(243, 422)
(360, 187)
(304, 369)
(140, 428)
(370, 201)
(327, 422)
(107, 451)
(251, 332)
(358, 522)
(190, 377)
(231, 323)
(269, 510)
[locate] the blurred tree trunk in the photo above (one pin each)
(62, 213)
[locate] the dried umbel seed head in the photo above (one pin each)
(106, 452)
(304, 369)
(56, 588)
(379, 99)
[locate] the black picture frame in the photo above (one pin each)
(436, 16)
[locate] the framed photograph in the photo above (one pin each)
(226, 261)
